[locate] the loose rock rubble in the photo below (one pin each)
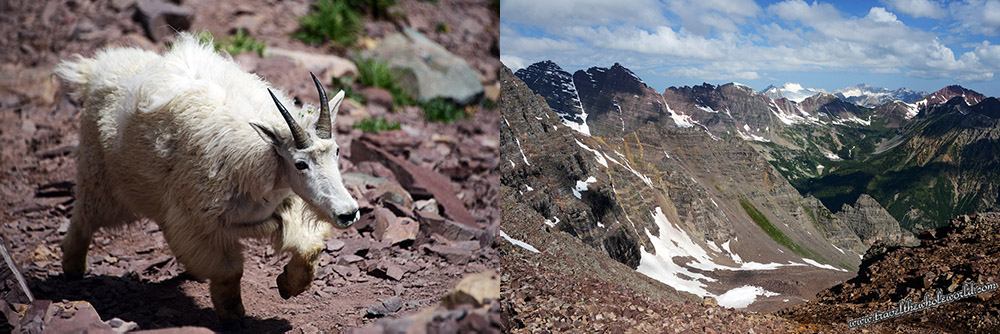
(472, 307)
(964, 250)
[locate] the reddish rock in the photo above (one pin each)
(431, 223)
(451, 254)
(417, 180)
(400, 230)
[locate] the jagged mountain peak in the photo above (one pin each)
(971, 97)
(556, 85)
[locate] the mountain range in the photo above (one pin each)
(708, 189)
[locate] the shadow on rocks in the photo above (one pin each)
(152, 305)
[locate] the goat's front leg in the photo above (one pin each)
(298, 274)
(301, 234)
(226, 297)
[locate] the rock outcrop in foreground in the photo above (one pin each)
(966, 250)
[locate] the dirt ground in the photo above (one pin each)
(132, 274)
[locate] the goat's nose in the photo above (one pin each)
(348, 218)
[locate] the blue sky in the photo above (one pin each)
(917, 44)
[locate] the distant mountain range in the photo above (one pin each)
(861, 94)
(871, 97)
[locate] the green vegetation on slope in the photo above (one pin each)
(336, 21)
(374, 73)
(376, 125)
(772, 231)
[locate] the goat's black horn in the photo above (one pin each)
(301, 137)
(323, 125)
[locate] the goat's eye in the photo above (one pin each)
(301, 165)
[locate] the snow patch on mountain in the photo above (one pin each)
(600, 156)
(820, 265)
(582, 185)
(684, 121)
(743, 296)
(674, 242)
(518, 243)
(792, 91)
(518, 141)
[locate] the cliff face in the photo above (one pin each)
(617, 101)
(557, 88)
(872, 223)
(545, 164)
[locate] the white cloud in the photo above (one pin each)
(984, 76)
(989, 54)
(799, 10)
(660, 41)
(702, 16)
(553, 13)
(518, 44)
(711, 73)
(741, 41)
(917, 8)
(879, 14)
(977, 16)
(513, 62)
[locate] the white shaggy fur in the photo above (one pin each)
(170, 138)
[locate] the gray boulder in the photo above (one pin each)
(433, 71)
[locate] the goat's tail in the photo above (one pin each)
(77, 70)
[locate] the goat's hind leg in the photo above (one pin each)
(74, 247)
(89, 214)
(218, 258)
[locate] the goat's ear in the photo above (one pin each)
(267, 133)
(335, 106)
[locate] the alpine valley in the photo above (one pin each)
(723, 194)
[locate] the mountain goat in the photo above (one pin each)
(193, 142)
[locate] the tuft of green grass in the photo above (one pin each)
(205, 37)
(346, 84)
(489, 104)
(376, 125)
(442, 110)
(336, 21)
(239, 43)
(442, 27)
(374, 73)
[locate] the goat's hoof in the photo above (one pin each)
(282, 290)
(287, 289)
(73, 271)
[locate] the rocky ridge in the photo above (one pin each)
(947, 257)
(872, 223)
